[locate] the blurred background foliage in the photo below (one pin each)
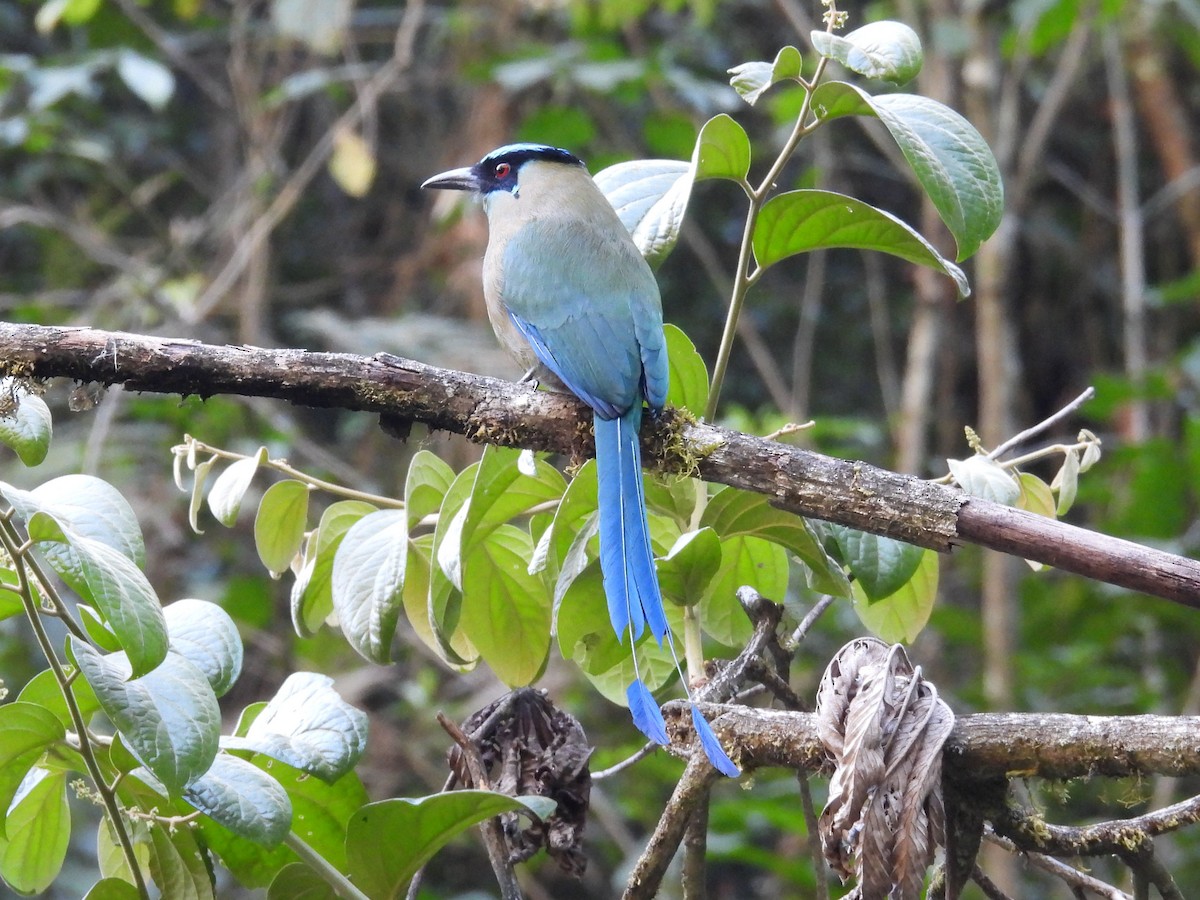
(249, 171)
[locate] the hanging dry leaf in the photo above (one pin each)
(884, 726)
(529, 747)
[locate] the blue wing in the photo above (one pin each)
(589, 306)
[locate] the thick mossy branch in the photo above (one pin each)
(495, 411)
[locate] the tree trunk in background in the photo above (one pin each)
(1131, 236)
(931, 291)
(998, 369)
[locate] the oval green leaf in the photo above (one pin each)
(280, 523)
(39, 829)
(168, 718)
(226, 495)
(688, 386)
(206, 635)
(685, 572)
(722, 150)
(244, 799)
(651, 198)
(900, 617)
(28, 428)
(949, 157)
(307, 725)
(388, 841)
(800, 221)
(506, 610)
(312, 593)
(752, 79)
(368, 580)
(429, 477)
(887, 50)
(880, 565)
(26, 732)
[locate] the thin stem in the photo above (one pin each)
(744, 278)
(1041, 426)
(339, 882)
(11, 542)
(281, 466)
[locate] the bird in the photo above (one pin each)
(571, 297)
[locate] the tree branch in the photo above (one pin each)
(494, 411)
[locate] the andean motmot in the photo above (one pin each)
(569, 292)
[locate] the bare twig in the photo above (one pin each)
(691, 791)
(493, 834)
(1069, 875)
(1034, 430)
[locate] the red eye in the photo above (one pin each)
(502, 170)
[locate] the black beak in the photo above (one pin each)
(464, 179)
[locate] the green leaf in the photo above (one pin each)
(320, 812)
(506, 610)
(297, 881)
(880, 565)
(745, 560)
(986, 478)
(309, 726)
(1036, 496)
(43, 690)
(312, 594)
(39, 830)
(577, 504)
(86, 506)
(206, 635)
(751, 79)
(500, 492)
(118, 587)
(951, 160)
(244, 799)
(673, 496)
(280, 523)
(1066, 482)
(888, 50)
(199, 479)
(180, 865)
(112, 889)
(800, 221)
(585, 635)
(26, 732)
(651, 198)
(226, 495)
(722, 150)
(429, 477)
(731, 512)
(685, 572)
(389, 841)
(901, 616)
(27, 428)
(688, 387)
(444, 603)
(368, 580)
(97, 629)
(168, 718)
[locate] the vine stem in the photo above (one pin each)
(191, 446)
(17, 551)
(744, 278)
(342, 885)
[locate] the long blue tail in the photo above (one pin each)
(630, 582)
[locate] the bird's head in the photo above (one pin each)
(508, 169)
